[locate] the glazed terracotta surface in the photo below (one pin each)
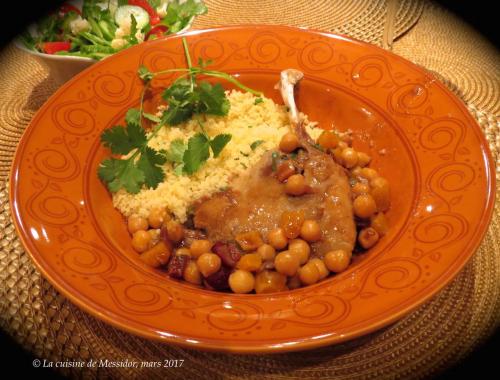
(420, 136)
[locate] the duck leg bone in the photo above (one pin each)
(289, 79)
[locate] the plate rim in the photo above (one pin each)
(300, 344)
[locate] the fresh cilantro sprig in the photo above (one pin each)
(142, 167)
(192, 71)
(187, 98)
(188, 158)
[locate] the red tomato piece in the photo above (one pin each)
(54, 47)
(153, 16)
(157, 31)
(65, 8)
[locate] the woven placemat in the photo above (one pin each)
(361, 19)
(428, 340)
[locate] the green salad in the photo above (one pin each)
(98, 28)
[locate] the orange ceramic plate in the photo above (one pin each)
(421, 138)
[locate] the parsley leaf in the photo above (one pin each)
(149, 164)
(145, 74)
(255, 144)
(121, 173)
(258, 100)
(185, 100)
(121, 140)
(219, 142)
(180, 91)
(107, 169)
(212, 99)
(197, 153)
(130, 173)
(133, 116)
(179, 170)
(203, 64)
(176, 151)
(180, 103)
(177, 114)
(151, 117)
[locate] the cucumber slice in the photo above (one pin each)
(123, 13)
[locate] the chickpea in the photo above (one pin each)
(199, 247)
(356, 171)
(192, 273)
(300, 248)
(140, 240)
(269, 282)
(289, 142)
(250, 262)
(337, 155)
(328, 140)
(155, 236)
(364, 206)
(294, 282)
(337, 261)
(267, 252)
(343, 145)
(309, 274)
(291, 223)
(310, 230)
(175, 231)
(286, 263)
(369, 173)
(208, 263)
(277, 238)
(241, 281)
(363, 159)
(349, 157)
(136, 223)
(360, 188)
(157, 217)
(183, 252)
(368, 237)
(379, 223)
(380, 193)
(322, 269)
(296, 185)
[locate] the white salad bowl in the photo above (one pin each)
(63, 67)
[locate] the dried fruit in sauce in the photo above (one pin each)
(158, 255)
(228, 252)
(220, 279)
(291, 222)
(177, 265)
(249, 241)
